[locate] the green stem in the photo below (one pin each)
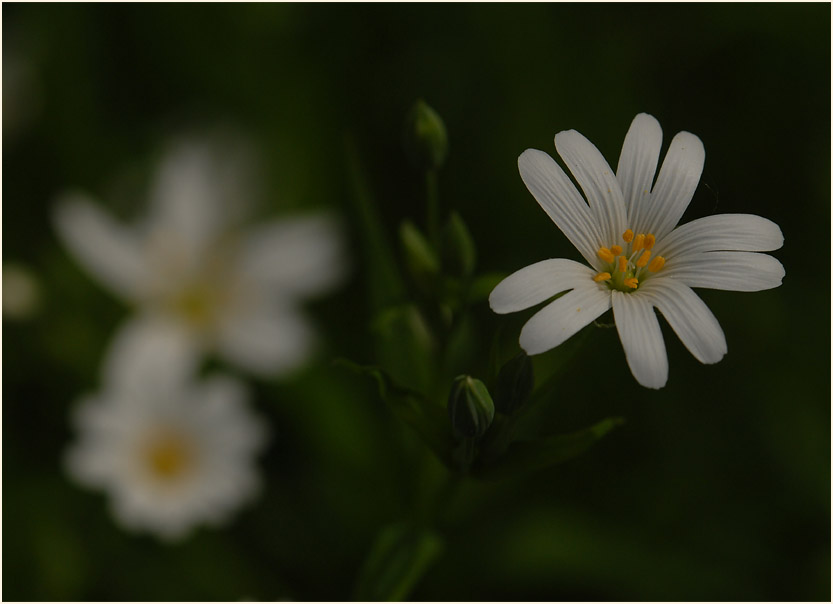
(432, 198)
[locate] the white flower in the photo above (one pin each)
(237, 293)
(638, 260)
(170, 452)
(21, 292)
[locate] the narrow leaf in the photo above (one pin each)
(530, 456)
(399, 557)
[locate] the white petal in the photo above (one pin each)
(734, 271)
(688, 316)
(149, 353)
(110, 252)
(266, 341)
(556, 194)
(638, 166)
(597, 180)
(641, 338)
(295, 257)
(676, 184)
(200, 188)
(729, 232)
(538, 282)
(560, 319)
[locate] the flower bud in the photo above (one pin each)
(459, 251)
(470, 407)
(425, 139)
(514, 384)
(420, 257)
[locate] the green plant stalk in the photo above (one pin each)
(432, 208)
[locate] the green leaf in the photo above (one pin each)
(384, 279)
(405, 346)
(399, 557)
(483, 285)
(428, 420)
(531, 456)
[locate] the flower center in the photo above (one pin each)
(629, 263)
(168, 456)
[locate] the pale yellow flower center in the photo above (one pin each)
(629, 263)
(169, 456)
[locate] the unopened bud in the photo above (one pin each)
(459, 251)
(470, 407)
(514, 384)
(419, 255)
(426, 142)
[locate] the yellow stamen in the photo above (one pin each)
(650, 240)
(656, 264)
(627, 236)
(623, 264)
(632, 282)
(638, 242)
(643, 259)
(616, 249)
(601, 277)
(606, 255)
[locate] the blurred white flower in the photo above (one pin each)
(172, 453)
(21, 292)
(236, 292)
(626, 233)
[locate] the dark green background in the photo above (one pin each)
(718, 486)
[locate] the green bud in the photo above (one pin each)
(459, 251)
(425, 139)
(420, 257)
(470, 407)
(514, 384)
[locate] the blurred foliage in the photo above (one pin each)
(718, 486)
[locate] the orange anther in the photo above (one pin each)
(627, 236)
(644, 258)
(632, 282)
(616, 249)
(623, 264)
(656, 264)
(638, 242)
(606, 255)
(650, 240)
(601, 277)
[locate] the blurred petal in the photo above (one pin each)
(676, 183)
(597, 180)
(734, 271)
(641, 338)
(538, 282)
(560, 319)
(556, 194)
(111, 253)
(266, 341)
(198, 191)
(689, 317)
(295, 257)
(638, 166)
(729, 232)
(149, 352)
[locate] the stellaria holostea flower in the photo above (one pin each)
(171, 452)
(235, 291)
(638, 259)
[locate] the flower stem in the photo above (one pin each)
(432, 199)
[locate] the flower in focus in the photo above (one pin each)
(625, 230)
(171, 452)
(234, 292)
